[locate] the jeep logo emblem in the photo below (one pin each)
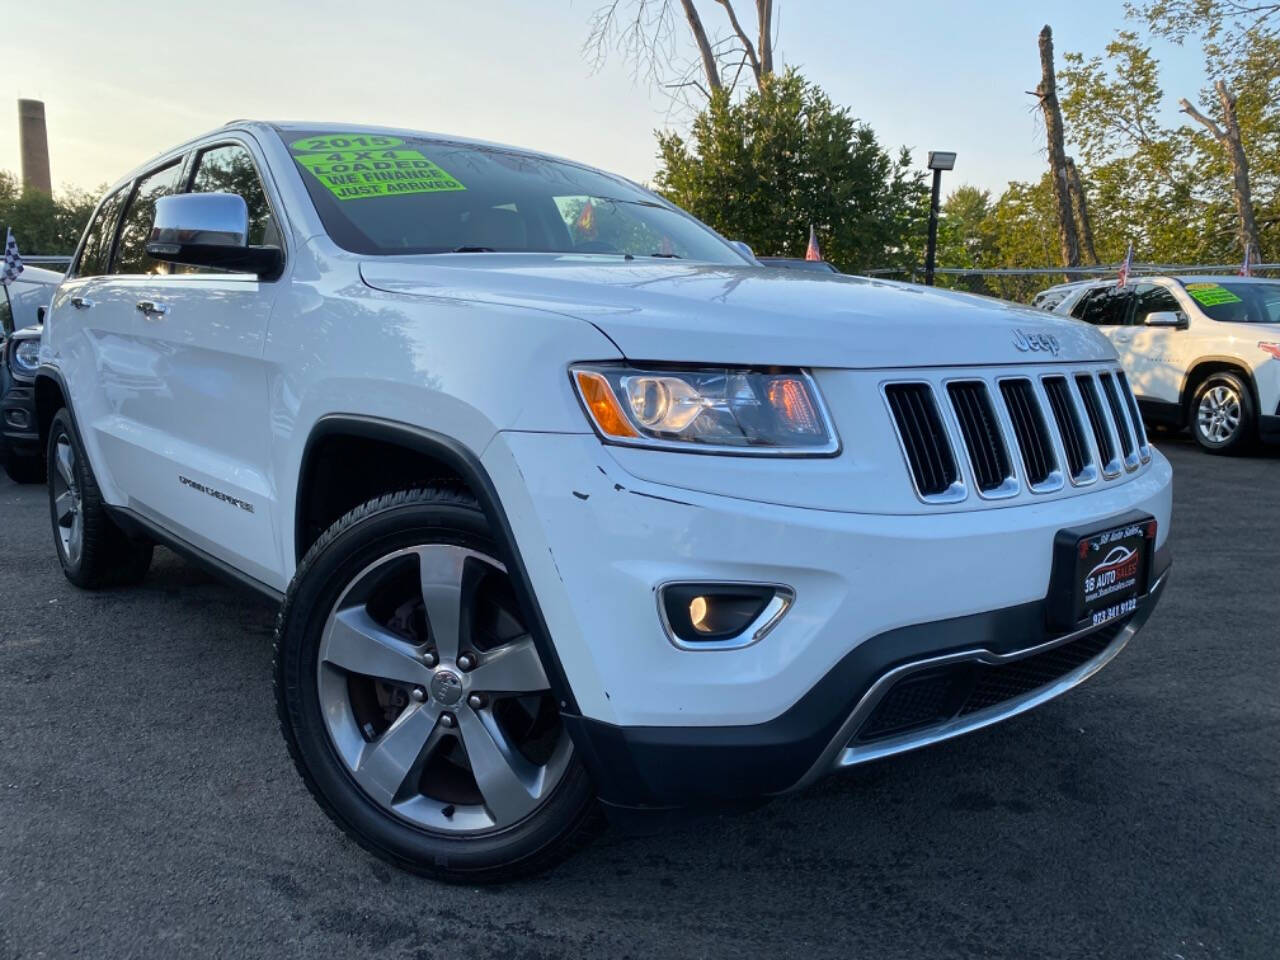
(1027, 342)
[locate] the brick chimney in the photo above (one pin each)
(34, 144)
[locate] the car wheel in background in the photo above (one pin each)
(94, 552)
(1222, 415)
(414, 702)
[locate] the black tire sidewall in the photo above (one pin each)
(318, 584)
(1244, 431)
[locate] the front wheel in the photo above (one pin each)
(414, 701)
(1222, 415)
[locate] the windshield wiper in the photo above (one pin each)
(667, 256)
(468, 249)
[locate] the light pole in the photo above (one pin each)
(938, 161)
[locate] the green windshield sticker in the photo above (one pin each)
(1211, 294)
(352, 167)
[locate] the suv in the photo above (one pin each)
(569, 503)
(1202, 352)
(21, 314)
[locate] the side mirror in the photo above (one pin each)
(210, 230)
(1166, 318)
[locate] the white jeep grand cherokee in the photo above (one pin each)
(570, 501)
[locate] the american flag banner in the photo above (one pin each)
(12, 259)
(813, 253)
(1246, 268)
(1126, 266)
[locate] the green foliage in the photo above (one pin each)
(43, 224)
(764, 168)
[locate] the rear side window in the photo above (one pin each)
(1105, 307)
(131, 255)
(95, 252)
(230, 169)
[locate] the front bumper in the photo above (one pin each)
(876, 596)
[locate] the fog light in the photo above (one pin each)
(700, 616)
(18, 419)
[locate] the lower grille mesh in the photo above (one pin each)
(933, 697)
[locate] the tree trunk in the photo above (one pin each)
(1081, 205)
(709, 66)
(1229, 136)
(764, 14)
(1047, 91)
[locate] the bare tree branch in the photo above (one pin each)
(749, 51)
(764, 15)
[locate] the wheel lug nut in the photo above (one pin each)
(467, 661)
(418, 694)
(447, 720)
(475, 701)
(429, 658)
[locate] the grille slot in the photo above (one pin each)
(1101, 435)
(981, 431)
(1031, 431)
(924, 440)
(1138, 426)
(1069, 425)
(1119, 418)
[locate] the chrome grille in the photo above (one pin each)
(1034, 445)
(924, 442)
(1045, 428)
(983, 442)
(1120, 420)
(1135, 416)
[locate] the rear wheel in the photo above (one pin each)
(94, 552)
(414, 701)
(1222, 414)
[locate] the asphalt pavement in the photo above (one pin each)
(148, 807)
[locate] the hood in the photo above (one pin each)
(700, 313)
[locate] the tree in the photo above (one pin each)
(1047, 93)
(648, 35)
(764, 168)
(1229, 136)
(44, 224)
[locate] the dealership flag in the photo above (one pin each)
(1126, 266)
(12, 259)
(813, 253)
(1246, 268)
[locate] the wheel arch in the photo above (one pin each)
(1204, 368)
(51, 396)
(443, 458)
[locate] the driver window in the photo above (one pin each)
(1154, 299)
(230, 169)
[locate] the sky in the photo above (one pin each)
(124, 81)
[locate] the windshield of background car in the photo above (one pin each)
(1236, 301)
(402, 194)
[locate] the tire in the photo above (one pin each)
(375, 675)
(1222, 415)
(24, 469)
(93, 551)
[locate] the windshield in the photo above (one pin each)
(403, 194)
(1237, 301)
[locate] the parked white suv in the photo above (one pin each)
(567, 498)
(1200, 352)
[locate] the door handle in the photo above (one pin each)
(152, 310)
(80, 303)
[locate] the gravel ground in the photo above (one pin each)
(148, 806)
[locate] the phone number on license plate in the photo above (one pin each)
(1115, 610)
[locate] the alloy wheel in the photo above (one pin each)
(434, 696)
(1218, 417)
(68, 504)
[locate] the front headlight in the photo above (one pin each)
(26, 357)
(720, 409)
